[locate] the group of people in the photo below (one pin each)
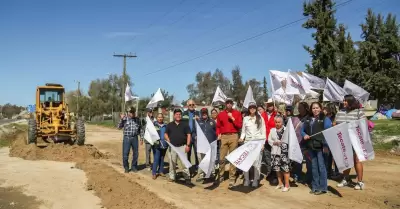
(232, 128)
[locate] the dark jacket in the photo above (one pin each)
(209, 129)
(316, 142)
(161, 131)
(185, 118)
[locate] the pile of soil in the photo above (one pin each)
(54, 152)
(117, 191)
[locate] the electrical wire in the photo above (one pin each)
(240, 42)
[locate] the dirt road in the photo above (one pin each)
(381, 178)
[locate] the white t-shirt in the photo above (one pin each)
(250, 131)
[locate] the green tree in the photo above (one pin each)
(379, 56)
(238, 89)
(265, 90)
(321, 19)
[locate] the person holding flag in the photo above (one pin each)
(159, 148)
(148, 146)
(229, 122)
(131, 126)
(208, 126)
(351, 112)
(316, 145)
(190, 116)
(253, 129)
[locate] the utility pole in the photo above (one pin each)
(130, 55)
(78, 95)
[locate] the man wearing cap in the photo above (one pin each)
(178, 134)
(229, 122)
(208, 126)
(190, 116)
(131, 126)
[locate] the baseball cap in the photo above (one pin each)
(149, 109)
(252, 104)
(177, 110)
(269, 101)
(204, 110)
(289, 107)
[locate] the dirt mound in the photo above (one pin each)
(55, 152)
(118, 191)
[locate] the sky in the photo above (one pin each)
(63, 42)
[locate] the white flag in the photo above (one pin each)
(277, 78)
(249, 97)
(333, 92)
(361, 139)
(128, 93)
(280, 97)
(289, 137)
(338, 140)
(203, 146)
(246, 155)
(359, 93)
(156, 98)
(294, 84)
(315, 82)
(219, 96)
(182, 156)
(208, 163)
(150, 134)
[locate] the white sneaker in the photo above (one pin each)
(255, 183)
(279, 187)
(246, 183)
(359, 186)
(343, 183)
(285, 189)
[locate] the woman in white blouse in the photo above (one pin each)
(279, 152)
(253, 129)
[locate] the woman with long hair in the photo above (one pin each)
(316, 145)
(351, 112)
(253, 129)
(279, 152)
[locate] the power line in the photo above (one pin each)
(239, 42)
(178, 20)
(158, 19)
(219, 26)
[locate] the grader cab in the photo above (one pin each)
(51, 122)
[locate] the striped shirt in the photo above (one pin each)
(353, 115)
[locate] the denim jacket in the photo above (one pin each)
(161, 131)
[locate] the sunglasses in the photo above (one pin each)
(191, 105)
(252, 107)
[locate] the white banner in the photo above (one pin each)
(203, 146)
(244, 156)
(280, 97)
(333, 92)
(289, 137)
(296, 85)
(156, 98)
(128, 93)
(219, 96)
(277, 77)
(182, 156)
(339, 143)
(150, 133)
(208, 163)
(361, 139)
(249, 98)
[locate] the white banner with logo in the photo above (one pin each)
(244, 156)
(339, 143)
(361, 139)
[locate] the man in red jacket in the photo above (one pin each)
(269, 118)
(229, 122)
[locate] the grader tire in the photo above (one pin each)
(32, 131)
(80, 132)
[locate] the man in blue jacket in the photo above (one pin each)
(190, 116)
(208, 126)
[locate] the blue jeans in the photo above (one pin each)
(129, 142)
(158, 157)
(319, 175)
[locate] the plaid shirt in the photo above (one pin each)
(131, 128)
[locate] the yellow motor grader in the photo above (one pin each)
(51, 121)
